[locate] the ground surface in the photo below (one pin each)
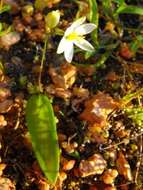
(97, 101)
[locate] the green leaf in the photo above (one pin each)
(137, 43)
(6, 31)
(136, 114)
(42, 127)
(102, 59)
(5, 8)
(1, 27)
(129, 97)
(119, 2)
(107, 7)
(94, 18)
(129, 9)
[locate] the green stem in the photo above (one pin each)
(42, 63)
(128, 98)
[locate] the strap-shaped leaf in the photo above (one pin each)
(94, 18)
(42, 127)
(129, 9)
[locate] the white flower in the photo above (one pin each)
(75, 35)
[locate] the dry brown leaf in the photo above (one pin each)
(96, 133)
(59, 92)
(68, 164)
(3, 122)
(5, 106)
(4, 93)
(88, 71)
(136, 68)
(80, 92)
(120, 131)
(43, 185)
(57, 79)
(112, 76)
(63, 77)
(125, 51)
(9, 39)
(2, 167)
(125, 187)
(110, 188)
(123, 166)
(6, 184)
(92, 166)
(101, 186)
(62, 177)
(68, 72)
(98, 108)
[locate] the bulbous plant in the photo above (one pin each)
(41, 120)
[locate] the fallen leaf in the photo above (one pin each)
(123, 167)
(68, 164)
(5, 106)
(4, 93)
(63, 77)
(125, 51)
(87, 70)
(98, 108)
(80, 92)
(92, 166)
(112, 76)
(136, 68)
(6, 184)
(43, 185)
(2, 167)
(58, 92)
(97, 134)
(3, 122)
(9, 39)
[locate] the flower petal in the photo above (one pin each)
(68, 31)
(85, 29)
(78, 22)
(84, 44)
(68, 53)
(62, 46)
(74, 25)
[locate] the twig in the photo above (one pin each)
(122, 142)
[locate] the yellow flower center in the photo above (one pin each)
(73, 36)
